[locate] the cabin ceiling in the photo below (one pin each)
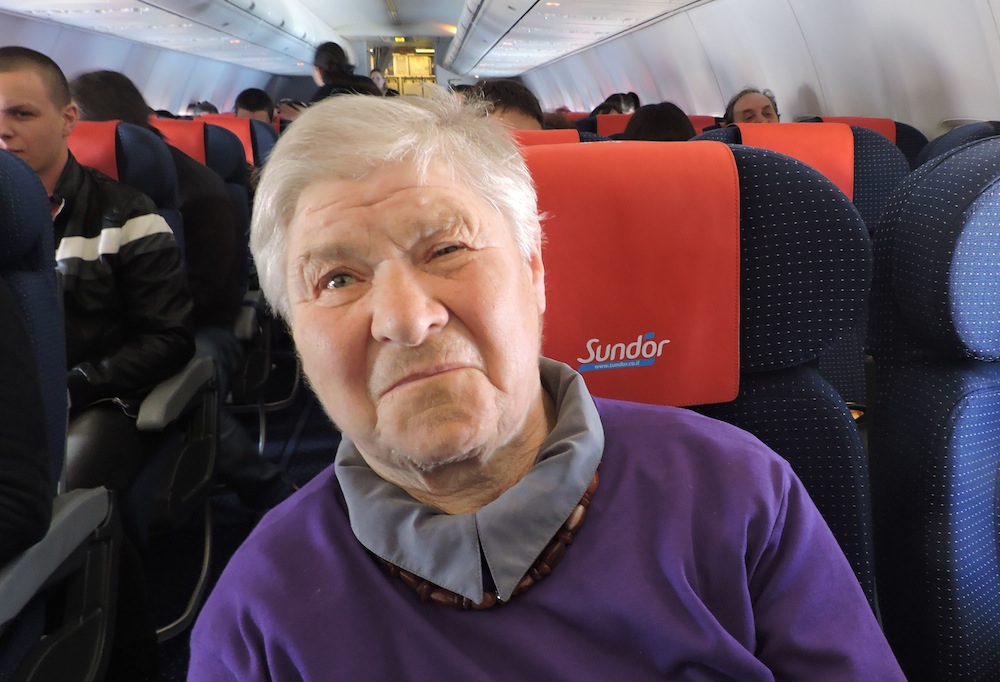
(492, 38)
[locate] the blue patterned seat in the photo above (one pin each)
(935, 325)
(879, 168)
(804, 269)
(956, 137)
(78, 555)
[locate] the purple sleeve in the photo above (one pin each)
(813, 621)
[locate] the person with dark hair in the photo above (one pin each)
(256, 104)
(334, 74)
(664, 122)
(216, 277)
(378, 78)
(25, 479)
(126, 306)
(751, 105)
(512, 103)
(618, 103)
(199, 108)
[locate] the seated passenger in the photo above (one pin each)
(408, 267)
(751, 105)
(126, 306)
(25, 479)
(664, 122)
(513, 104)
(378, 78)
(256, 104)
(334, 74)
(216, 271)
(199, 108)
(618, 103)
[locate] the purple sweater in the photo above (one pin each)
(701, 558)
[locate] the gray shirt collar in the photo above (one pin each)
(511, 531)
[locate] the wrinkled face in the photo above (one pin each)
(31, 126)
(754, 108)
(378, 79)
(417, 318)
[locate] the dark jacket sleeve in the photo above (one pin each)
(157, 338)
(25, 493)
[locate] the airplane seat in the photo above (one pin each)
(547, 136)
(258, 138)
(868, 168)
(57, 599)
(702, 123)
(796, 268)
(908, 139)
(611, 124)
(957, 137)
(177, 481)
(934, 460)
(135, 156)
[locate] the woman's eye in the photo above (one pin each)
(445, 250)
(339, 280)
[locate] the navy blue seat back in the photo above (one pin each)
(27, 263)
(140, 159)
(805, 268)
(956, 137)
(225, 155)
(879, 167)
(935, 458)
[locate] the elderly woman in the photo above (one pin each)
(406, 260)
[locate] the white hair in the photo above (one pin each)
(349, 136)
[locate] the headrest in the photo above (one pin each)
(23, 210)
(240, 126)
(611, 124)
(551, 136)
(883, 126)
(130, 154)
(224, 153)
(576, 115)
(827, 147)
(186, 135)
(94, 144)
(701, 122)
(941, 236)
(643, 272)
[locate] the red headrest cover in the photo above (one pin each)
(642, 269)
(701, 122)
(554, 136)
(827, 147)
(188, 136)
(610, 124)
(94, 144)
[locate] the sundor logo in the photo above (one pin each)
(640, 353)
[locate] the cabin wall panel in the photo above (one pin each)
(916, 61)
(168, 79)
(755, 44)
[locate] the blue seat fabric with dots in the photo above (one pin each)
(805, 266)
(879, 168)
(956, 137)
(935, 324)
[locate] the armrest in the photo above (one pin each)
(75, 516)
(172, 397)
(245, 326)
